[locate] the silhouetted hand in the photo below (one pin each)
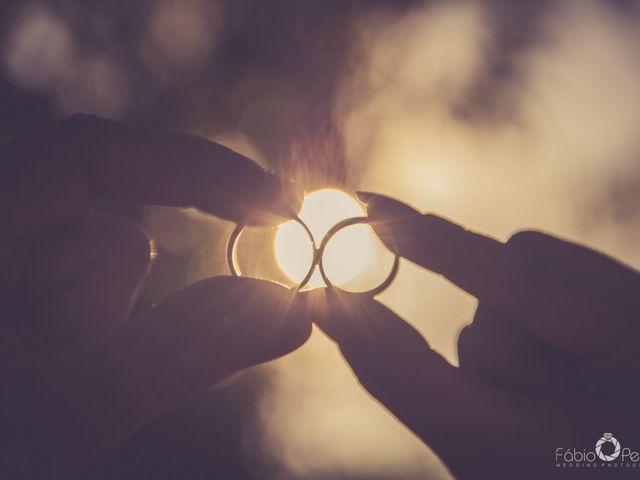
(77, 378)
(550, 361)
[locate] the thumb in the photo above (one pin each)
(463, 420)
(101, 395)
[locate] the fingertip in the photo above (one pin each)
(274, 199)
(365, 197)
(391, 219)
(219, 326)
(271, 316)
(295, 325)
(292, 195)
(340, 315)
(313, 304)
(383, 206)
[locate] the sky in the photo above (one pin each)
(500, 115)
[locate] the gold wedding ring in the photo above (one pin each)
(327, 238)
(318, 253)
(232, 254)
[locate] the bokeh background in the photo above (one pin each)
(501, 115)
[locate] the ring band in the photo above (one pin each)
(232, 257)
(318, 254)
(327, 238)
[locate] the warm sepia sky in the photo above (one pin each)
(500, 115)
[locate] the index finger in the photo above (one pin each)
(398, 367)
(53, 175)
(550, 306)
(476, 263)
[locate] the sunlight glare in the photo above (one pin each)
(346, 254)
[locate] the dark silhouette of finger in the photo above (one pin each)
(506, 277)
(582, 290)
(449, 410)
(115, 386)
(476, 263)
(579, 265)
(83, 280)
(53, 175)
(500, 351)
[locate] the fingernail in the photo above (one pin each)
(292, 197)
(382, 206)
(279, 199)
(366, 197)
(287, 196)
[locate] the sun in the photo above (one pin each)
(346, 254)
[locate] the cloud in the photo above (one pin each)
(38, 48)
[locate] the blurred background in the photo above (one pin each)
(500, 115)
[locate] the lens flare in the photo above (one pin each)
(346, 254)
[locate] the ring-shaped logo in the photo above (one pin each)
(608, 438)
(318, 253)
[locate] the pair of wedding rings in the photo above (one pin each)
(318, 254)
